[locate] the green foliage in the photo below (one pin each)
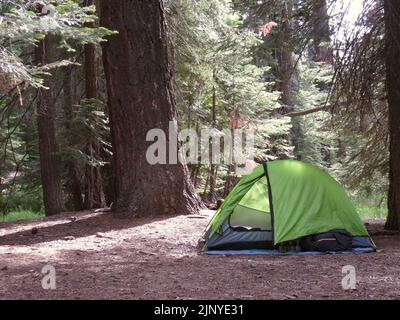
(66, 19)
(317, 141)
(226, 60)
(88, 127)
(371, 206)
(214, 59)
(21, 197)
(272, 140)
(24, 25)
(21, 215)
(360, 90)
(219, 82)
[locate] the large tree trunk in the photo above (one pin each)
(141, 98)
(392, 13)
(47, 138)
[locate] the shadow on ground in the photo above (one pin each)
(75, 226)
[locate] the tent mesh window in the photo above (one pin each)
(252, 212)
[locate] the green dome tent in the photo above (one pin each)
(281, 202)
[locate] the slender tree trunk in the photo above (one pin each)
(207, 182)
(286, 64)
(213, 168)
(287, 77)
(74, 183)
(196, 175)
(47, 138)
(341, 150)
(141, 98)
(392, 13)
(90, 64)
(213, 183)
(231, 179)
(214, 104)
(321, 32)
(94, 195)
(321, 35)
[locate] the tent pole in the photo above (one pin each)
(270, 198)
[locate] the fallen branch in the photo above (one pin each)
(310, 111)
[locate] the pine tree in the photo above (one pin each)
(392, 29)
(141, 98)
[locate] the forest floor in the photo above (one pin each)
(98, 257)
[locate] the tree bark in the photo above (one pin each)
(73, 181)
(321, 32)
(141, 98)
(90, 63)
(47, 138)
(392, 12)
(213, 183)
(213, 168)
(287, 77)
(94, 194)
(286, 64)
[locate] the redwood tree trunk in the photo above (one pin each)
(47, 138)
(141, 98)
(392, 12)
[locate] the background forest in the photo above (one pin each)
(307, 75)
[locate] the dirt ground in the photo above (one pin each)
(98, 257)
